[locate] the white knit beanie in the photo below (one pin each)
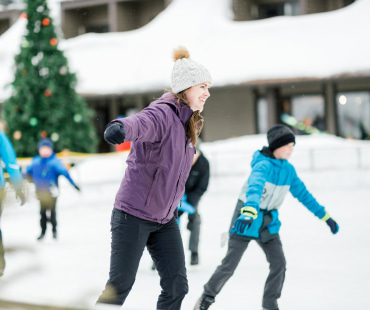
(186, 72)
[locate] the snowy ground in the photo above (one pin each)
(323, 272)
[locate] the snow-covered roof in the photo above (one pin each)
(309, 46)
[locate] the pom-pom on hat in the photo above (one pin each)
(278, 136)
(45, 142)
(186, 72)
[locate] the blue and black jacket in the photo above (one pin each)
(269, 182)
(45, 172)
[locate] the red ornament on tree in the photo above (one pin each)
(43, 134)
(47, 93)
(53, 41)
(46, 22)
(23, 15)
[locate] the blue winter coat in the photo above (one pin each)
(159, 162)
(46, 171)
(269, 182)
(7, 155)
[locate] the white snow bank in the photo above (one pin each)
(314, 155)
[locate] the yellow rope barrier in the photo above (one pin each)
(68, 158)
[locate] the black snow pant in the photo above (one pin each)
(47, 204)
(194, 227)
(2, 254)
(130, 236)
(274, 284)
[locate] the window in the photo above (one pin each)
(278, 9)
(353, 110)
(4, 25)
(97, 28)
(309, 111)
(348, 2)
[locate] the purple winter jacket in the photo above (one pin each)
(159, 161)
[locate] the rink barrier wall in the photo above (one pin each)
(319, 168)
(324, 167)
(310, 159)
(224, 162)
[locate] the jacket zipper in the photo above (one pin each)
(178, 180)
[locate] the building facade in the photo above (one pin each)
(9, 13)
(339, 105)
(99, 16)
(259, 9)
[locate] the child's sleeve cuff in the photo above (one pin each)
(326, 217)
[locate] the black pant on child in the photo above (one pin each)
(47, 203)
(274, 283)
(130, 236)
(194, 227)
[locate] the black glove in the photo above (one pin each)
(115, 133)
(334, 227)
(76, 187)
(19, 195)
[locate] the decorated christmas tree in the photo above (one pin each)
(44, 102)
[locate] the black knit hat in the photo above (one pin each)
(279, 135)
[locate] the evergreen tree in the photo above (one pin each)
(44, 102)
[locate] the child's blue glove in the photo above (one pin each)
(186, 207)
(248, 214)
(334, 227)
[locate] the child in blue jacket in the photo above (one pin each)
(256, 217)
(44, 171)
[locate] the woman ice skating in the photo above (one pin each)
(163, 138)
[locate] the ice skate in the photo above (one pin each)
(204, 302)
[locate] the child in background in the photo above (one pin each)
(256, 217)
(196, 185)
(44, 172)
